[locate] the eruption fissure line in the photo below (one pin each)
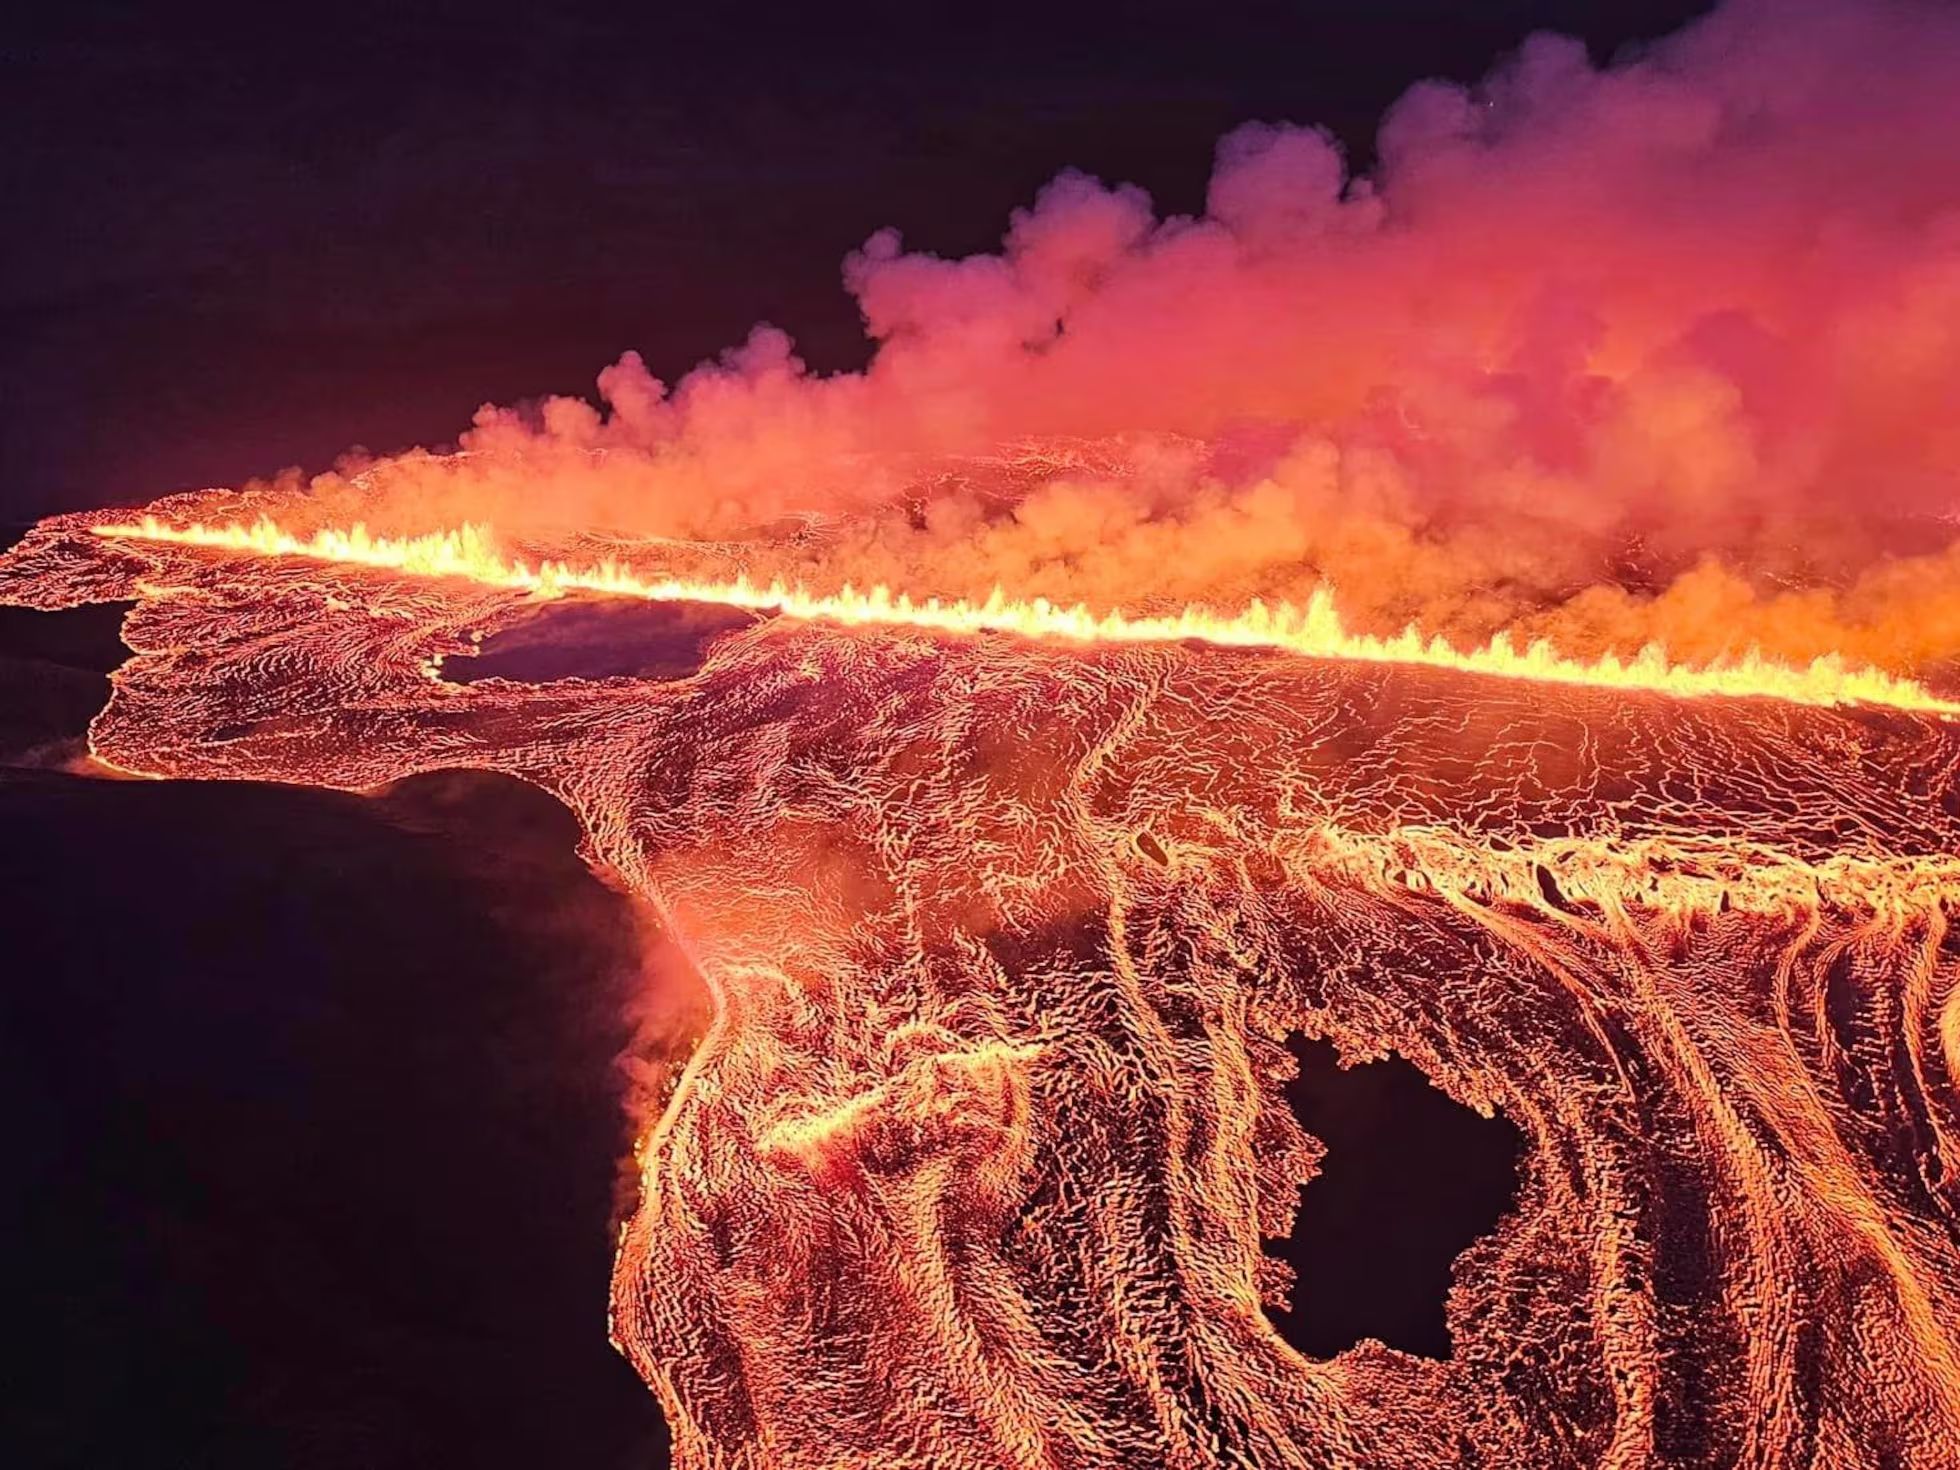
(1314, 630)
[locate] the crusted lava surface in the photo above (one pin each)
(1006, 939)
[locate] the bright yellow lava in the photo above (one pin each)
(1314, 630)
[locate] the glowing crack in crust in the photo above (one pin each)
(1315, 629)
(974, 1166)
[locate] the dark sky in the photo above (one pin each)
(241, 239)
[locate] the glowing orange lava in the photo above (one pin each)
(1314, 630)
(973, 1168)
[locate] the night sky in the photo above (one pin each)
(290, 1192)
(256, 237)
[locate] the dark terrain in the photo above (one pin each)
(316, 1169)
(1410, 1179)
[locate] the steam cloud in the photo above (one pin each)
(1666, 350)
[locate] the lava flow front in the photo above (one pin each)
(1005, 939)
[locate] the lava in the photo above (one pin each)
(1005, 938)
(1314, 630)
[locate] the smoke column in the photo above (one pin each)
(1659, 351)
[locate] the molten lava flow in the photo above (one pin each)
(973, 1168)
(1314, 630)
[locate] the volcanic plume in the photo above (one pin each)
(1497, 610)
(1659, 352)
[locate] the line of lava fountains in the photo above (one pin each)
(1314, 630)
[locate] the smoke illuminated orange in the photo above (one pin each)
(1314, 630)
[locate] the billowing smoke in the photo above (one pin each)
(1666, 349)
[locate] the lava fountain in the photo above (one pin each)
(1531, 658)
